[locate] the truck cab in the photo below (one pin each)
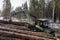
(43, 23)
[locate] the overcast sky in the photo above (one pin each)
(14, 3)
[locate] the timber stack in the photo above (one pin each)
(15, 32)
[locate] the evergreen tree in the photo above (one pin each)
(37, 8)
(6, 9)
(41, 8)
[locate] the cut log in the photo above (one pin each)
(39, 34)
(22, 36)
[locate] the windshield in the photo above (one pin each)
(45, 24)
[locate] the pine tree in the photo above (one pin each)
(56, 5)
(41, 8)
(6, 9)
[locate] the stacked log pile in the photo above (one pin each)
(12, 32)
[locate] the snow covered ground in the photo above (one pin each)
(54, 25)
(51, 24)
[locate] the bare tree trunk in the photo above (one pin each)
(53, 11)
